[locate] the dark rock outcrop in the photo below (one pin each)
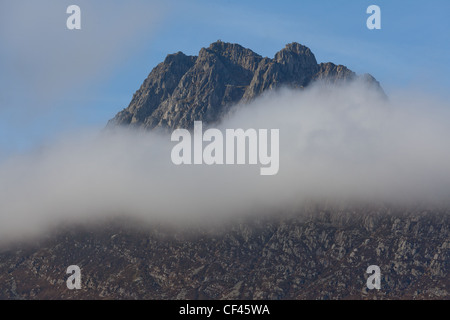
(183, 88)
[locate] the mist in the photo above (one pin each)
(337, 143)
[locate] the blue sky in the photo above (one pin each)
(55, 81)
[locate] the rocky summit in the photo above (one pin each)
(319, 252)
(183, 89)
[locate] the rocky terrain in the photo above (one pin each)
(183, 88)
(319, 252)
(315, 254)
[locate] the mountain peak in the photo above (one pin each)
(297, 48)
(174, 57)
(233, 53)
(221, 46)
(295, 52)
(183, 89)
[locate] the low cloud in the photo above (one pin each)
(343, 143)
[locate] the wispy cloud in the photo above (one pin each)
(42, 60)
(335, 143)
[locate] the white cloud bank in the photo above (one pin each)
(341, 143)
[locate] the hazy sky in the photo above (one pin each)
(54, 80)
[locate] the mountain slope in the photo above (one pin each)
(183, 88)
(320, 252)
(317, 254)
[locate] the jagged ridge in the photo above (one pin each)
(183, 88)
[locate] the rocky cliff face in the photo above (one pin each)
(316, 254)
(183, 89)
